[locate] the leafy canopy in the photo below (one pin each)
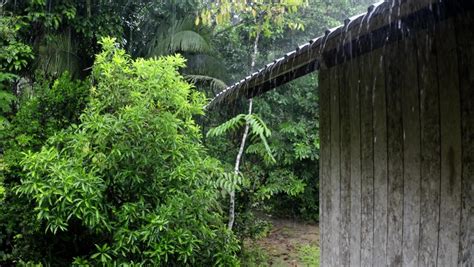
(270, 13)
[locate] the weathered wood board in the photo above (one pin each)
(465, 48)
(325, 168)
(411, 153)
(367, 163)
(334, 187)
(450, 120)
(394, 157)
(430, 147)
(380, 157)
(345, 185)
(355, 212)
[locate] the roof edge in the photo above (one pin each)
(314, 54)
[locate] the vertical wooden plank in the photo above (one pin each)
(324, 160)
(355, 163)
(345, 204)
(411, 150)
(450, 208)
(395, 155)
(465, 44)
(380, 158)
(334, 187)
(430, 147)
(367, 164)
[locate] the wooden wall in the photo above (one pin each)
(397, 152)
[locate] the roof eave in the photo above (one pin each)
(309, 57)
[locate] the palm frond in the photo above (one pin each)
(215, 85)
(205, 64)
(179, 36)
(188, 41)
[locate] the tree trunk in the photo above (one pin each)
(244, 136)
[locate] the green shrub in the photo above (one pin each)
(132, 177)
(50, 107)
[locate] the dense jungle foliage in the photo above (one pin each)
(105, 156)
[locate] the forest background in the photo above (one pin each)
(104, 152)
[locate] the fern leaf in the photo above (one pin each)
(268, 149)
(227, 126)
(259, 129)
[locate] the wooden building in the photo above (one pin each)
(396, 130)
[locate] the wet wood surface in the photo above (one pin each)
(450, 121)
(355, 182)
(430, 147)
(465, 44)
(325, 168)
(397, 155)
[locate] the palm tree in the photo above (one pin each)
(177, 33)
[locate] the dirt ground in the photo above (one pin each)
(291, 243)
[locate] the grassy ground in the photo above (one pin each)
(289, 243)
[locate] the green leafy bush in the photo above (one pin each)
(132, 175)
(293, 115)
(14, 56)
(50, 107)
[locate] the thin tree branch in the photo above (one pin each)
(244, 137)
